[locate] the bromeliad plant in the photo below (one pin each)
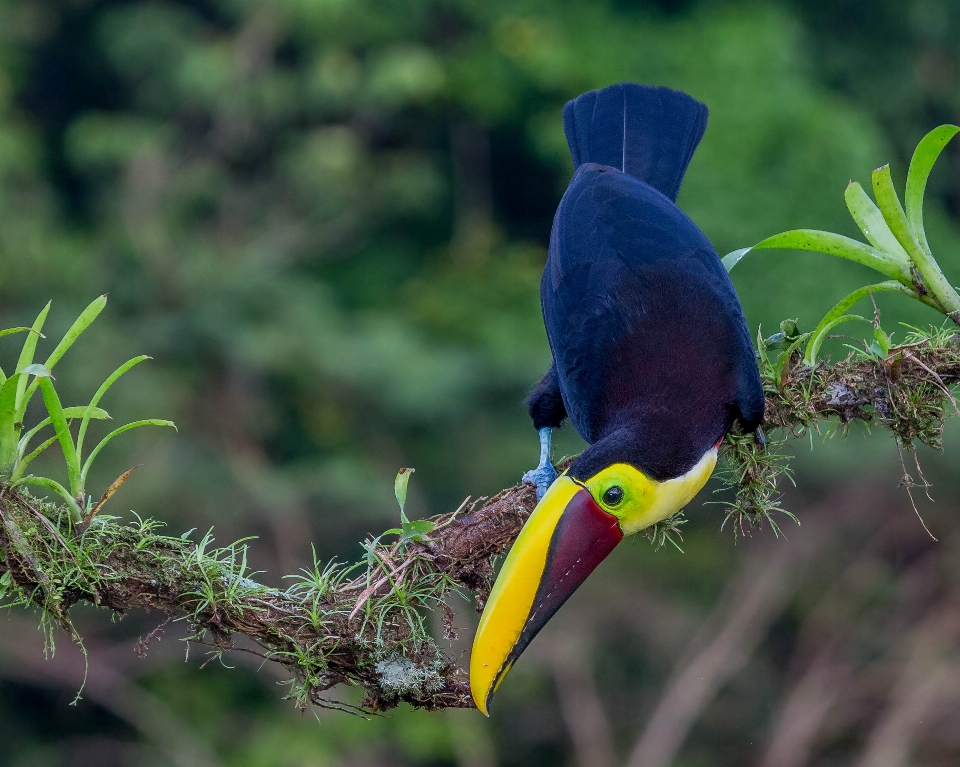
(16, 392)
(897, 248)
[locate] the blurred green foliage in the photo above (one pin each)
(326, 222)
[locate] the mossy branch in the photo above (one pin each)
(327, 628)
(365, 624)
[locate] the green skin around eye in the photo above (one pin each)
(646, 501)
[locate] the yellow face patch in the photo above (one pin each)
(638, 501)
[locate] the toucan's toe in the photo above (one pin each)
(541, 477)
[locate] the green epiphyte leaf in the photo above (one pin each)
(782, 365)
(838, 314)
(408, 531)
(78, 411)
(789, 329)
(732, 259)
(871, 222)
(924, 157)
(25, 461)
(816, 341)
(26, 359)
(86, 318)
(882, 341)
(8, 420)
(892, 211)
(10, 331)
(400, 489)
(414, 531)
(943, 296)
(104, 387)
(115, 433)
(70, 413)
(838, 245)
(52, 400)
(59, 489)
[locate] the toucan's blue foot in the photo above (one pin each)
(542, 476)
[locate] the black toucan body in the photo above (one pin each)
(652, 359)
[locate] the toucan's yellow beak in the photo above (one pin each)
(566, 537)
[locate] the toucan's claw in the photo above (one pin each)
(542, 477)
(760, 437)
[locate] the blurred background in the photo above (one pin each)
(326, 221)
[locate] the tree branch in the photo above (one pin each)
(365, 624)
(367, 631)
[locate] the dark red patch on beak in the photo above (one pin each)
(584, 536)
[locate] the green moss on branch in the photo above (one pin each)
(362, 625)
(365, 624)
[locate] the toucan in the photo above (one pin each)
(652, 360)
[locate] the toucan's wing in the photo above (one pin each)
(644, 322)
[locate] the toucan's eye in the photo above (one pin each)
(613, 496)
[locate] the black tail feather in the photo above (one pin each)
(647, 131)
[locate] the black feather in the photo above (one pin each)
(648, 132)
(545, 403)
(652, 354)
